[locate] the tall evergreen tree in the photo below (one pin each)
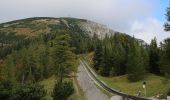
(154, 57)
(145, 56)
(98, 55)
(10, 70)
(119, 59)
(167, 24)
(165, 58)
(63, 57)
(43, 60)
(105, 67)
(135, 63)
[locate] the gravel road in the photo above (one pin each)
(88, 86)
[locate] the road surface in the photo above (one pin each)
(91, 92)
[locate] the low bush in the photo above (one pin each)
(62, 91)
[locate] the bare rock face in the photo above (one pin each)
(92, 28)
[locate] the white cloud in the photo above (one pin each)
(148, 29)
(101, 10)
(129, 16)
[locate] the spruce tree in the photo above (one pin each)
(106, 63)
(98, 56)
(135, 63)
(154, 57)
(10, 69)
(165, 58)
(119, 59)
(63, 57)
(167, 24)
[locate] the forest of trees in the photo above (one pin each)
(121, 54)
(47, 55)
(25, 61)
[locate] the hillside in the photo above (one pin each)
(20, 32)
(37, 26)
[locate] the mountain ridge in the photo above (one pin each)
(36, 26)
(88, 26)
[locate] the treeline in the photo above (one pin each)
(45, 56)
(121, 54)
(27, 60)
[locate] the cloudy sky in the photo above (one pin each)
(140, 18)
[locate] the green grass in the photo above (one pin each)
(155, 84)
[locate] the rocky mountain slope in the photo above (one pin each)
(36, 26)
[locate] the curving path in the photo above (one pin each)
(88, 86)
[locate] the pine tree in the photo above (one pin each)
(167, 24)
(43, 60)
(154, 57)
(165, 58)
(32, 67)
(145, 55)
(106, 63)
(119, 59)
(24, 65)
(135, 63)
(63, 57)
(9, 70)
(98, 56)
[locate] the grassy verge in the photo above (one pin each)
(156, 85)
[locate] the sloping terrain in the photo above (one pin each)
(36, 26)
(15, 34)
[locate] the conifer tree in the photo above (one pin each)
(98, 55)
(154, 57)
(63, 57)
(106, 63)
(135, 63)
(10, 70)
(167, 24)
(165, 58)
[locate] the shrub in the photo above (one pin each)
(8, 91)
(30, 92)
(62, 91)
(5, 90)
